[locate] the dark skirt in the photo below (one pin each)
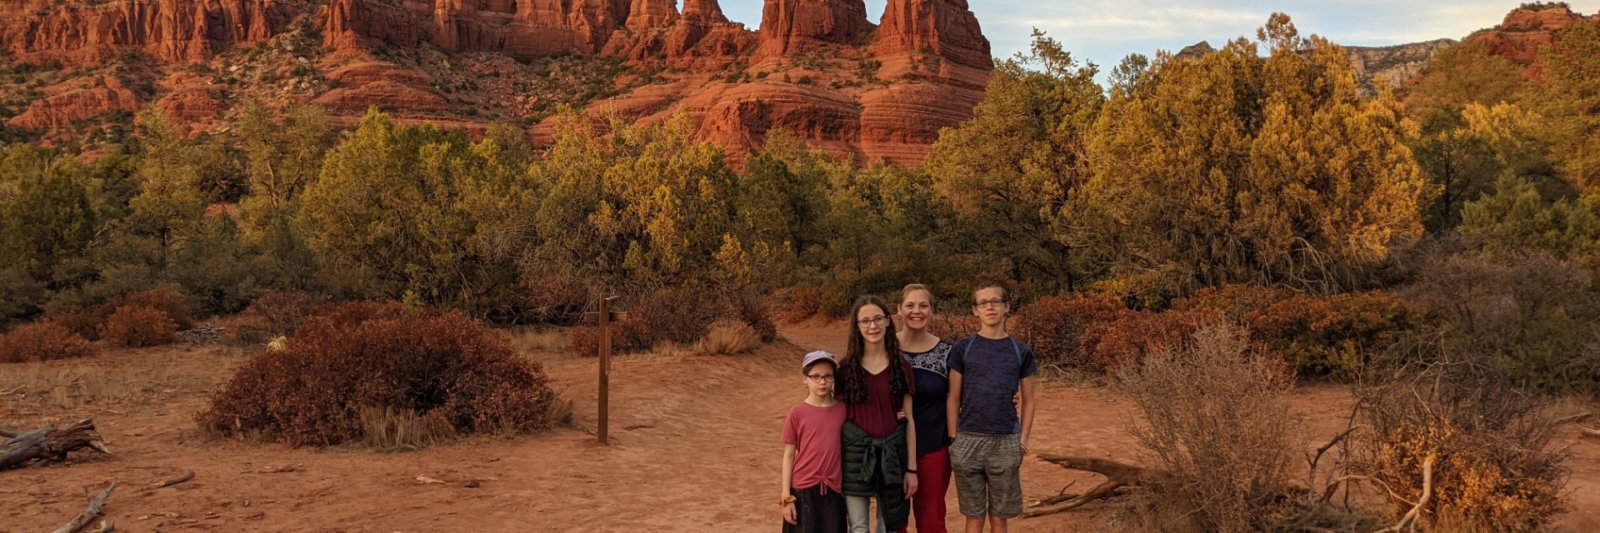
(816, 512)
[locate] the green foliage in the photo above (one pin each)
(1235, 167)
(1011, 170)
(1516, 216)
(389, 213)
(284, 154)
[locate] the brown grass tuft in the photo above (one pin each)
(729, 337)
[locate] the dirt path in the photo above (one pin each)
(694, 449)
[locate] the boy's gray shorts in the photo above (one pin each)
(986, 468)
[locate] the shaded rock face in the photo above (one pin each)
(1392, 66)
(789, 26)
(1525, 29)
(168, 30)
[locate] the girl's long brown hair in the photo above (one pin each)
(852, 384)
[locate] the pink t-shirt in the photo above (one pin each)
(814, 432)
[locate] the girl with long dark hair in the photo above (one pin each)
(875, 383)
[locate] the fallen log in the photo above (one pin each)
(89, 514)
(9, 433)
(174, 481)
(1591, 432)
(49, 444)
(1118, 475)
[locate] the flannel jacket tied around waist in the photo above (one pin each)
(877, 467)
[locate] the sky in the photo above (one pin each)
(1097, 32)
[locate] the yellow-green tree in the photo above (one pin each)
(635, 203)
(1235, 167)
(1010, 171)
(390, 214)
(284, 153)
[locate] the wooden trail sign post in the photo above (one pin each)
(603, 318)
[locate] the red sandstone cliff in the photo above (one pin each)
(168, 30)
(1525, 29)
(929, 63)
(789, 26)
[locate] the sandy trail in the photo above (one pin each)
(694, 449)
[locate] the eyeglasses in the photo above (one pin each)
(822, 378)
(992, 302)
(879, 321)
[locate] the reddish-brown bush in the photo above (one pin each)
(133, 326)
(1055, 326)
(83, 322)
(165, 300)
(585, 340)
(429, 363)
(42, 341)
(283, 312)
(1318, 336)
(754, 313)
(1128, 339)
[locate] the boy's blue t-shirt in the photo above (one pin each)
(991, 372)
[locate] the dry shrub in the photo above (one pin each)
(585, 340)
(82, 322)
(1216, 418)
(1495, 468)
(42, 341)
(282, 312)
(754, 313)
(806, 301)
(1536, 315)
(554, 294)
(729, 337)
(133, 326)
(429, 363)
(1319, 336)
(1055, 327)
(1133, 336)
(167, 301)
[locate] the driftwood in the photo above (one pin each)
(1574, 418)
(89, 514)
(1409, 521)
(49, 444)
(1117, 475)
(1591, 432)
(9, 433)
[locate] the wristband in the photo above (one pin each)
(786, 500)
(911, 470)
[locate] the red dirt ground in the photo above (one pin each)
(694, 449)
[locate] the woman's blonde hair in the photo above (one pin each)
(908, 289)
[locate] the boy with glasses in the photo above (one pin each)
(811, 501)
(988, 437)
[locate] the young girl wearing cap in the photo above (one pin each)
(811, 501)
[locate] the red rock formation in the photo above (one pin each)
(652, 14)
(1524, 30)
(789, 26)
(899, 123)
(385, 94)
(533, 28)
(168, 30)
(939, 28)
(703, 11)
(74, 101)
(190, 105)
